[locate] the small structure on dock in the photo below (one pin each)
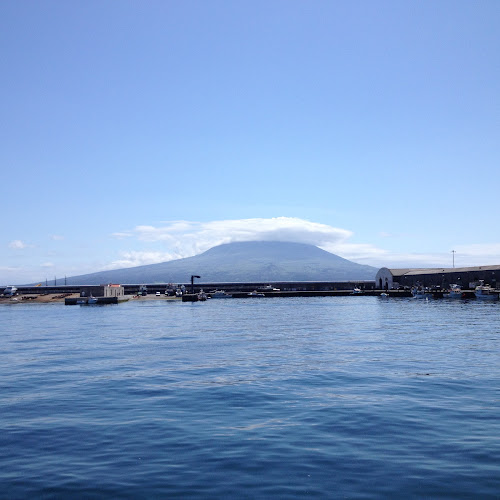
(102, 294)
(106, 291)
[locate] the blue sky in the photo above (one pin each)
(137, 132)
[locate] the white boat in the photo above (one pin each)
(255, 293)
(268, 288)
(92, 300)
(455, 292)
(202, 295)
(485, 292)
(220, 294)
(357, 291)
(10, 291)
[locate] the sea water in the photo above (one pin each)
(332, 397)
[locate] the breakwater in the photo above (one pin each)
(268, 287)
(283, 286)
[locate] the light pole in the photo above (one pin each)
(192, 282)
(453, 252)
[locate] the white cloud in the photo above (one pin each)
(122, 235)
(479, 254)
(17, 245)
(185, 238)
(137, 258)
(477, 249)
(47, 264)
(5, 269)
(190, 238)
(57, 237)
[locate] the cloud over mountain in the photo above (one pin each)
(185, 238)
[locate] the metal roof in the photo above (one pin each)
(441, 270)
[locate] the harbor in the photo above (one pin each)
(464, 283)
(80, 296)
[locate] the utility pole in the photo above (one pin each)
(453, 252)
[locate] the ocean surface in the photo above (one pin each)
(331, 397)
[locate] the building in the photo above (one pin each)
(466, 277)
(103, 291)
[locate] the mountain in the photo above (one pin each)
(253, 261)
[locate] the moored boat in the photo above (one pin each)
(485, 292)
(419, 293)
(455, 292)
(220, 294)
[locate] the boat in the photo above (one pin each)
(255, 293)
(83, 301)
(485, 292)
(268, 288)
(419, 293)
(10, 291)
(202, 295)
(220, 294)
(357, 291)
(455, 292)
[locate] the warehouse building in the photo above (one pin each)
(466, 277)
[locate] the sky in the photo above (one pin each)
(139, 132)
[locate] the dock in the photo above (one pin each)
(81, 301)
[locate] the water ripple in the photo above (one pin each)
(288, 398)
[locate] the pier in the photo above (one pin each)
(73, 301)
